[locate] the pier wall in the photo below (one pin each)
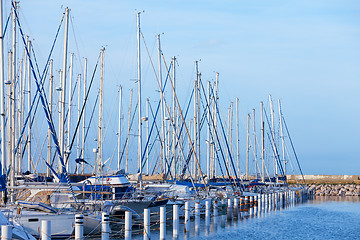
(325, 179)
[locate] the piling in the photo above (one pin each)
(79, 227)
(242, 204)
(229, 209)
(251, 201)
(175, 221)
(256, 205)
(45, 230)
(207, 213)
(105, 226)
(128, 225)
(146, 224)
(236, 208)
(187, 217)
(215, 213)
(261, 202)
(267, 200)
(247, 203)
(6, 232)
(197, 216)
(162, 222)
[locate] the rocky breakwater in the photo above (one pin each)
(335, 190)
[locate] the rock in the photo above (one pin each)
(348, 194)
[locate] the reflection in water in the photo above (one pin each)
(295, 221)
(322, 199)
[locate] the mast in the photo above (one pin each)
(282, 137)
(139, 98)
(208, 142)
(2, 94)
(119, 131)
(69, 114)
(83, 122)
(63, 90)
(273, 133)
(262, 141)
(22, 95)
(59, 89)
(197, 151)
(50, 112)
(29, 106)
(128, 134)
(100, 126)
(163, 130)
(21, 81)
(196, 82)
(147, 135)
(228, 139)
(247, 148)
(191, 166)
(211, 128)
(174, 121)
(13, 106)
(8, 110)
(237, 136)
(231, 132)
(215, 119)
(78, 119)
(255, 154)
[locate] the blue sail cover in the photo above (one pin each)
(2, 183)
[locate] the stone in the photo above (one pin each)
(348, 194)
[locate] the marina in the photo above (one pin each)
(86, 154)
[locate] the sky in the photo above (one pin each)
(305, 53)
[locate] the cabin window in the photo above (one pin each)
(33, 219)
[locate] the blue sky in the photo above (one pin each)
(304, 52)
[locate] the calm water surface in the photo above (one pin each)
(321, 218)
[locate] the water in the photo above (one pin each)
(317, 219)
(321, 218)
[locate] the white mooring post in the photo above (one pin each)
(256, 205)
(45, 230)
(229, 209)
(247, 204)
(105, 226)
(242, 206)
(6, 232)
(187, 217)
(289, 198)
(197, 216)
(264, 201)
(175, 221)
(146, 224)
(128, 225)
(207, 213)
(215, 213)
(79, 227)
(274, 200)
(259, 204)
(236, 208)
(162, 223)
(251, 211)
